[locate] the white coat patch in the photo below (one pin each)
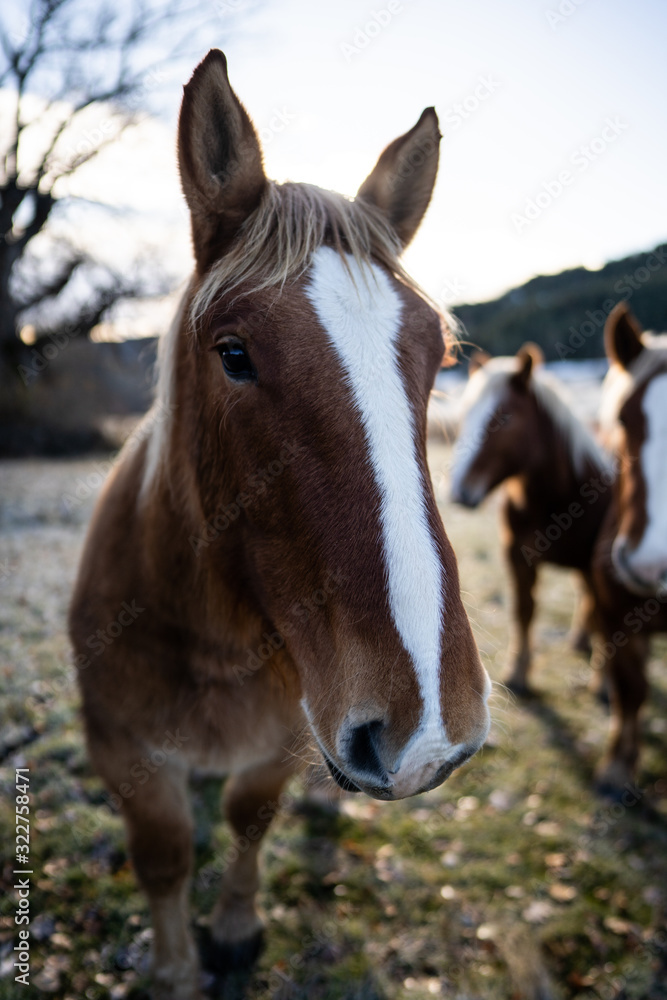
(361, 313)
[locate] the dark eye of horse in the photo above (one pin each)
(236, 362)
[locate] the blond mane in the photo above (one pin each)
(276, 242)
(275, 245)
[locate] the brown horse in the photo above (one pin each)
(517, 428)
(630, 562)
(274, 543)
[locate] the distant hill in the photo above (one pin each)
(564, 313)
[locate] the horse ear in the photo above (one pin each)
(402, 181)
(622, 336)
(529, 357)
(219, 157)
(477, 360)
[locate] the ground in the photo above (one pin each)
(512, 880)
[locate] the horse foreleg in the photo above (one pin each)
(160, 840)
(583, 620)
(523, 577)
(584, 627)
(628, 688)
(251, 802)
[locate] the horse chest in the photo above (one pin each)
(237, 722)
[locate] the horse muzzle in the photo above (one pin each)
(362, 767)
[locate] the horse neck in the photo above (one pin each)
(553, 474)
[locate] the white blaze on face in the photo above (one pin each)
(649, 560)
(361, 313)
(480, 401)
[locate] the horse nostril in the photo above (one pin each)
(362, 749)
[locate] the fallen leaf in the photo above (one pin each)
(562, 892)
(548, 828)
(555, 860)
(59, 940)
(501, 800)
(538, 911)
(617, 925)
(515, 891)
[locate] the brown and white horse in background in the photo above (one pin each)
(518, 428)
(630, 563)
(299, 335)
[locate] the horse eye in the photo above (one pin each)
(235, 361)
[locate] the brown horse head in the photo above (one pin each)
(300, 376)
(497, 436)
(634, 415)
(516, 421)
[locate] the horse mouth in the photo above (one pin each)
(339, 777)
(348, 785)
(383, 792)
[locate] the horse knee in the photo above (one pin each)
(161, 855)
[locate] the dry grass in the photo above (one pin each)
(510, 881)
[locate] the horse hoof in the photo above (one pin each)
(609, 791)
(222, 957)
(615, 781)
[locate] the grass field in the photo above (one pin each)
(512, 880)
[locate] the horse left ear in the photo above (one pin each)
(402, 181)
(219, 157)
(529, 357)
(622, 336)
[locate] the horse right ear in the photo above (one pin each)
(622, 336)
(529, 357)
(220, 159)
(477, 360)
(401, 182)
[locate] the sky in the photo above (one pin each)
(552, 114)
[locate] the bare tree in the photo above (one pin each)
(58, 60)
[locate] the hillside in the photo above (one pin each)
(564, 313)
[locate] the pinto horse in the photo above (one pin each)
(517, 428)
(277, 532)
(630, 561)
